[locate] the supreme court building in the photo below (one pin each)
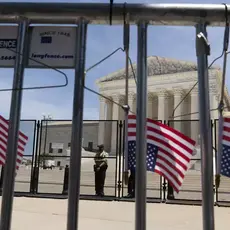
(169, 80)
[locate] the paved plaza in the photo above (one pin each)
(45, 214)
(51, 181)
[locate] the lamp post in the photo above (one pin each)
(46, 119)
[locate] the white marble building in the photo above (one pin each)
(168, 81)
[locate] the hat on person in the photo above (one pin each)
(100, 146)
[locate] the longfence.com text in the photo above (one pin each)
(55, 56)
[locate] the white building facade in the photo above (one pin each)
(169, 81)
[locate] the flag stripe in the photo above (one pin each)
(5, 123)
(226, 132)
(22, 141)
(174, 149)
(172, 164)
(227, 120)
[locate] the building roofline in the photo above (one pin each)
(60, 123)
(177, 66)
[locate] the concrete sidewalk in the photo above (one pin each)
(45, 214)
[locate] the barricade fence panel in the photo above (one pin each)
(154, 181)
(24, 173)
(53, 138)
(51, 176)
(23, 177)
(191, 187)
(55, 153)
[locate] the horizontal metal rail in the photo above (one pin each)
(98, 13)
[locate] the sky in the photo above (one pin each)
(164, 41)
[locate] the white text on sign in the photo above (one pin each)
(8, 43)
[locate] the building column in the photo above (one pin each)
(121, 110)
(178, 96)
(155, 107)
(150, 106)
(132, 102)
(121, 118)
(194, 125)
(162, 105)
(101, 128)
(115, 123)
(214, 102)
(109, 110)
(215, 106)
(108, 125)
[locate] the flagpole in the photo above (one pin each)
(140, 209)
(126, 107)
(202, 51)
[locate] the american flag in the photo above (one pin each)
(22, 140)
(168, 151)
(225, 158)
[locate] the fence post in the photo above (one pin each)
(215, 145)
(1, 178)
(119, 160)
(170, 192)
(214, 158)
(66, 181)
(33, 186)
(164, 187)
(35, 179)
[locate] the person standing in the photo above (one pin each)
(100, 167)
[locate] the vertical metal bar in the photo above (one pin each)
(117, 184)
(119, 159)
(215, 130)
(165, 184)
(213, 162)
(205, 128)
(77, 124)
(14, 123)
(126, 49)
(126, 111)
(38, 137)
(123, 161)
(45, 138)
(140, 212)
(33, 157)
(39, 157)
